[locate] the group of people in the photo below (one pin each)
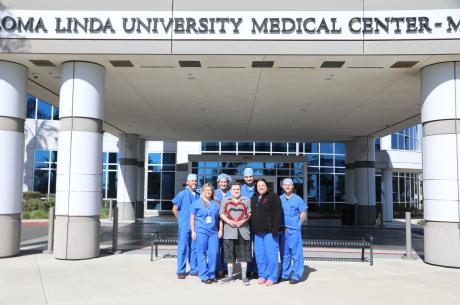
(248, 223)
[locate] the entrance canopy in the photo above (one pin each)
(211, 71)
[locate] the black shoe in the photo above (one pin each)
(181, 276)
(213, 280)
(206, 281)
(252, 275)
(282, 280)
(293, 281)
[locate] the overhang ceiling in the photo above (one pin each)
(228, 99)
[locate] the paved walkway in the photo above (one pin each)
(130, 278)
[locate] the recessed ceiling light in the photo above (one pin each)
(404, 64)
(42, 63)
(332, 64)
(121, 63)
(189, 63)
(263, 64)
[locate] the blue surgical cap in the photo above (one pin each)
(191, 177)
(288, 181)
(248, 172)
(224, 176)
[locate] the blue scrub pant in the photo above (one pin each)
(186, 251)
(291, 251)
(207, 247)
(266, 253)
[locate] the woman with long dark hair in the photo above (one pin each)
(267, 223)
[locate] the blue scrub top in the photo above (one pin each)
(248, 191)
(201, 212)
(220, 196)
(292, 207)
(183, 201)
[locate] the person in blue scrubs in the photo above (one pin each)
(182, 204)
(248, 189)
(204, 222)
(267, 224)
(222, 193)
(291, 249)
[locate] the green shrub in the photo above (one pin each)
(34, 204)
(26, 215)
(104, 213)
(39, 214)
(31, 195)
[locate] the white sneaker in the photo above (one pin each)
(227, 280)
(245, 281)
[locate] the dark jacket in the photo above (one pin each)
(267, 214)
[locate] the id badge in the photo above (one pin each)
(208, 219)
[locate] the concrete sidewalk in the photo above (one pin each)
(38, 279)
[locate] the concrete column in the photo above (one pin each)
(365, 179)
(140, 178)
(127, 177)
(387, 195)
(441, 166)
(13, 80)
(79, 170)
(350, 197)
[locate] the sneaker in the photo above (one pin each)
(213, 280)
(208, 281)
(269, 283)
(245, 281)
(261, 281)
(181, 276)
(293, 281)
(227, 279)
(193, 274)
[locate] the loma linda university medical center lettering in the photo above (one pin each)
(164, 25)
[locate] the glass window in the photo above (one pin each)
(279, 147)
(112, 185)
(394, 141)
(326, 148)
(339, 183)
(169, 158)
(43, 110)
(41, 158)
(312, 188)
(339, 148)
(41, 178)
(313, 160)
(210, 146)
(262, 146)
(166, 205)
(326, 188)
(326, 160)
(154, 158)
(311, 148)
(313, 170)
(55, 113)
(377, 144)
(292, 148)
(31, 104)
(167, 186)
(340, 160)
(228, 146)
(153, 185)
(245, 146)
(113, 157)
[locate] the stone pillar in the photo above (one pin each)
(13, 80)
(79, 170)
(441, 166)
(127, 177)
(387, 195)
(140, 178)
(364, 168)
(350, 197)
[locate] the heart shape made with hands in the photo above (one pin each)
(230, 204)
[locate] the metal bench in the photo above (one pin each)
(161, 239)
(365, 243)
